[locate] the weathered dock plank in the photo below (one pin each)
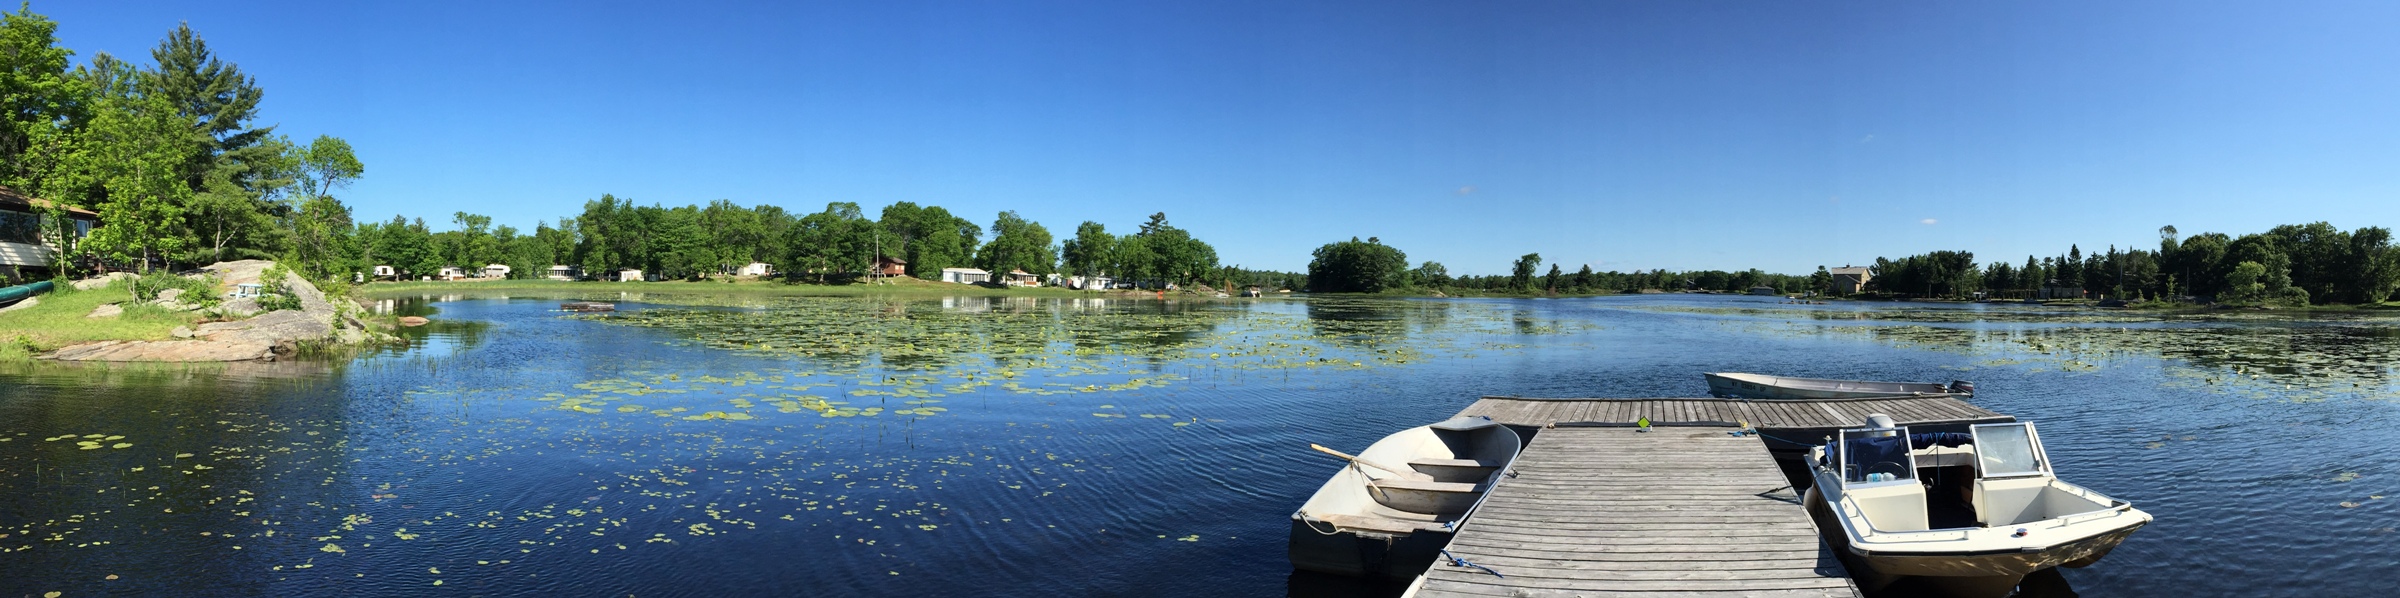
(1605, 511)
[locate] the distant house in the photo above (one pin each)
(1848, 280)
(629, 275)
(565, 272)
(1021, 278)
(1764, 291)
(1081, 283)
(450, 273)
(965, 275)
(386, 272)
(755, 269)
(25, 253)
(890, 266)
(496, 270)
(1254, 292)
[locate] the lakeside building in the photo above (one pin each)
(1021, 278)
(965, 275)
(629, 275)
(26, 253)
(387, 273)
(450, 273)
(1850, 280)
(496, 270)
(890, 266)
(755, 269)
(565, 272)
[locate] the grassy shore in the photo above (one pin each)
(58, 320)
(888, 287)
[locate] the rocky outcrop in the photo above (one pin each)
(264, 337)
(28, 302)
(101, 280)
(107, 310)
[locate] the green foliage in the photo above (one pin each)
(1936, 274)
(2244, 286)
(1356, 266)
(200, 291)
(1091, 252)
(1521, 275)
(839, 242)
(1017, 244)
(276, 286)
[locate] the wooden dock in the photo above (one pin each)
(1597, 508)
(1763, 414)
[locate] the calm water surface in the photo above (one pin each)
(1019, 447)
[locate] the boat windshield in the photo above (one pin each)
(1876, 455)
(2007, 450)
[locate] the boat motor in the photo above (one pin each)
(1878, 420)
(1962, 387)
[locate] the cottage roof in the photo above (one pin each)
(1019, 273)
(891, 259)
(10, 198)
(1849, 271)
(965, 270)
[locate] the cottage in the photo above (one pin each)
(450, 273)
(1021, 278)
(629, 275)
(755, 269)
(496, 270)
(565, 272)
(890, 266)
(965, 275)
(25, 252)
(386, 272)
(1849, 280)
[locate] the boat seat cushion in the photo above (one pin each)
(1399, 484)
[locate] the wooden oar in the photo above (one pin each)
(1403, 473)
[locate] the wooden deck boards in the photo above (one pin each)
(1606, 511)
(1843, 413)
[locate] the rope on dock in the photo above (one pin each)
(1459, 562)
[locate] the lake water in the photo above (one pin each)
(1061, 447)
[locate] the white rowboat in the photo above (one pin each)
(1369, 522)
(1762, 386)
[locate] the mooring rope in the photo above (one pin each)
(1459, 562)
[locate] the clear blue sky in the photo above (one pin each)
(1625, 135)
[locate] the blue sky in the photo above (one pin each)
(1625, 135)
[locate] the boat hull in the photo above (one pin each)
(1753, 386)
(1965, 575)
(1364, 554)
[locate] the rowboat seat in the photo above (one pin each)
(1369, 523)
(1399, 484)
(1454, 463)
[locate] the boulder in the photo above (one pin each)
(101, 280)
(178, 351)
(169, 295)
(413, 321)
(110, 310)
(28, 302)
(182, 332)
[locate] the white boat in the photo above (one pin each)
(1762, 386)
(1967, 514)
(1370, 522)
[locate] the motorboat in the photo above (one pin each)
(1372, 521)
(1762, 386)
(1969, 514)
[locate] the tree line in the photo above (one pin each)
(1370, 266)
(2293, 264)
(166, 152)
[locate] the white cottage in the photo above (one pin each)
(565, 272)
(965, 275)
(496, 270)
(386, 272)
(450, 273)
(629, 275)
(756, 269)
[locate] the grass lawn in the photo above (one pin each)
(59, 321)
(889, 286)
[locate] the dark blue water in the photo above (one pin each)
(463, 460)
